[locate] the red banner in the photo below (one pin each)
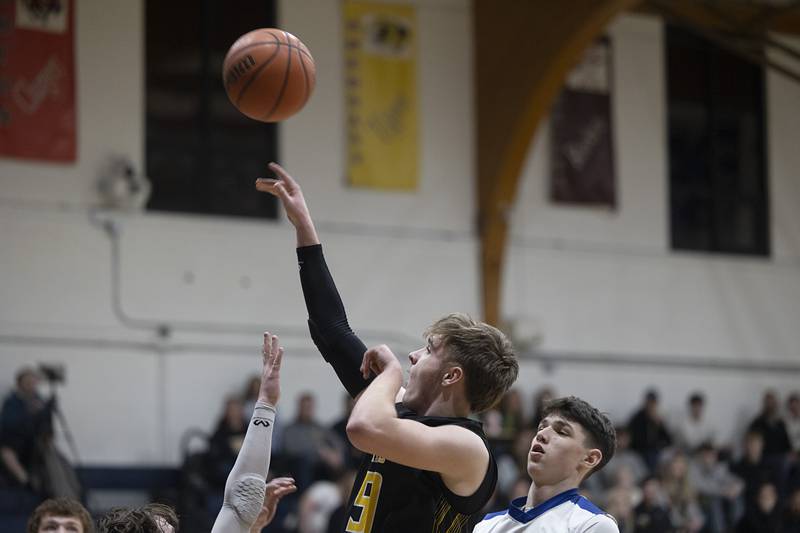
(582, 151)
(37, 79)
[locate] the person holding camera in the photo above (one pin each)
(25, 420)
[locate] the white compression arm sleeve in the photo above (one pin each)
(246, 484)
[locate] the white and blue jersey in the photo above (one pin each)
(568, 512)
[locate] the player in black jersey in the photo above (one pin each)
(428, 467)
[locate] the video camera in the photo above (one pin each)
(54, 373)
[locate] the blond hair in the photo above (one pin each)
(484, 353)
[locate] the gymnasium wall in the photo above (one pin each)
(588, 284)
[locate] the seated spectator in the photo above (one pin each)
(25, 428)
(649, 435)
(693, 428)
(226, 441)
(622, 498)
(719, 491)
(513, 464)
(765, 516)
(60, 514)
(624, 458)
(652, 514)
(337, 520)
(540, 400)
(791, 515)
(339, 428)
(311, 450)
(685, 513)
(752, 469)
(317, 504)
(512, 415)
(793, 421)
(772, 427)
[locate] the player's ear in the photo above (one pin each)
(453, 375)
(592, 458)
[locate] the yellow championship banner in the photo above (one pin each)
(381, 92)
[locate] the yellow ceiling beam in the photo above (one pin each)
(728, 15)
(524, 50)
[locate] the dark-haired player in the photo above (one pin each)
(428, 466)
(573, 441)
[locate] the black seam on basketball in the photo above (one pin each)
(278, 43)
(289, 42)
(283, 86)
(255, 74)
(305, 77)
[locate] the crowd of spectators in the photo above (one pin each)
(669, 474)
(675, 475)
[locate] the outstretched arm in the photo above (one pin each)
(246, 487)
(327, 320)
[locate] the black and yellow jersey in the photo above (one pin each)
(392, 498)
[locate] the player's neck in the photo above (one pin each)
(540, 494)
(450, 407)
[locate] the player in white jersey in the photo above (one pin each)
(245, 507)
(573, 441)
(249, 501)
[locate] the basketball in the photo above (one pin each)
(269, 74)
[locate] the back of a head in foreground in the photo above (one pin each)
(150, 518)
(485, 354)
(61, 508)
(597, 428)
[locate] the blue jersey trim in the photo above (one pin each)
(496, 513)
(517, 506)
(583, 503)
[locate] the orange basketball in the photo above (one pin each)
(269, 74)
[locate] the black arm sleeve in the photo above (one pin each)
(327, 320)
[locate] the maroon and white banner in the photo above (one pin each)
(581, 136)
(37, 79)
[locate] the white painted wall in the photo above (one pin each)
(592, 282)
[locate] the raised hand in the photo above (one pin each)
(288, 192)
(377, 359)
(272, 354)
(276, 489)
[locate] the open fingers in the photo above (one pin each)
(267, 349)
(282, 491)
(273, 187)
(282, 174)
(276, 361)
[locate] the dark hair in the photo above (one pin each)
(143, 519)
(599, 430)
(62, 507)
(696, 397)
(485, 354)
(25, 371)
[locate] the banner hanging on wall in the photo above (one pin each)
(37, 80)
(581, 136)
(381, 95)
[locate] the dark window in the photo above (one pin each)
(717, 168)
(202, 154)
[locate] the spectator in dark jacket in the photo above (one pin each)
(652, 515)
(649, 434)
(772, 427)
(226, 441)
(765, 517)
(25, 422)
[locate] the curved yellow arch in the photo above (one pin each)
(523, 51)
